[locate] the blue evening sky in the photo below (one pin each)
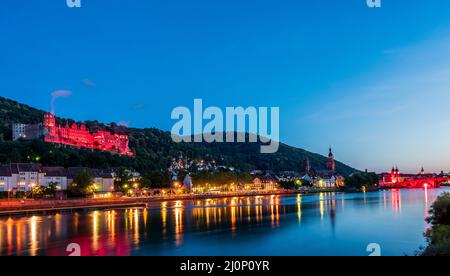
(373, 83)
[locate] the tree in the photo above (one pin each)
(122, 179)
(440, 211)
(50, 190)
(15, 156)
(360, 180)
(44, 191)
(244, 178)
(306, 183)
(290, 184)
(155, 180)
(38, 192)
(438, 236)
(145, 182)
(83, 184)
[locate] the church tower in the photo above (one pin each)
(307, 166)
(331, 165)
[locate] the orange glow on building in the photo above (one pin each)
(80, 136)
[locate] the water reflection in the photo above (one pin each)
(299, 208)
(111, 224)
(167, 227)
(33, 235)
(396, 200)
(179, 222)
(426, 206)
(322, 206)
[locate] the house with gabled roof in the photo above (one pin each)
(103, 180)
(56, 176)
(27, 175)
(6, 179)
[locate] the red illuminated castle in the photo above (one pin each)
(80, 136)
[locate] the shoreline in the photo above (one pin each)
(19, 207)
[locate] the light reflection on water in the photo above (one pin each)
(322, 224)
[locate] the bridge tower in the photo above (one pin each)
(395, 175)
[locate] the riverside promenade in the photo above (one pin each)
(13, 207)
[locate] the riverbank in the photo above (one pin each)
(18, 207)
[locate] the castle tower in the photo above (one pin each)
(331, 165)
(50, 129)
(49, 120)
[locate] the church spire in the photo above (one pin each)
(331, 165)
(307, 166)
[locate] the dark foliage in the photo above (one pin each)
(359, 180)
(220, 178)
(82, 186)
(439, 235)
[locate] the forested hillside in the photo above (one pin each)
(154, 148)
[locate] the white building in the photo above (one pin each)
(6, 179)
(18, 131)
(325, 182)
(26, 176)
(19, 177)
(25, 131)
(134, 175)
(103, 180)
(56, 176)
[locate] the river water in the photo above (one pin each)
(319, 224)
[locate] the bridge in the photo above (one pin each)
(430, 182)
(395, 179)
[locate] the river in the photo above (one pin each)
(320, 224)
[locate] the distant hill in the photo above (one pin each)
(154, 148)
